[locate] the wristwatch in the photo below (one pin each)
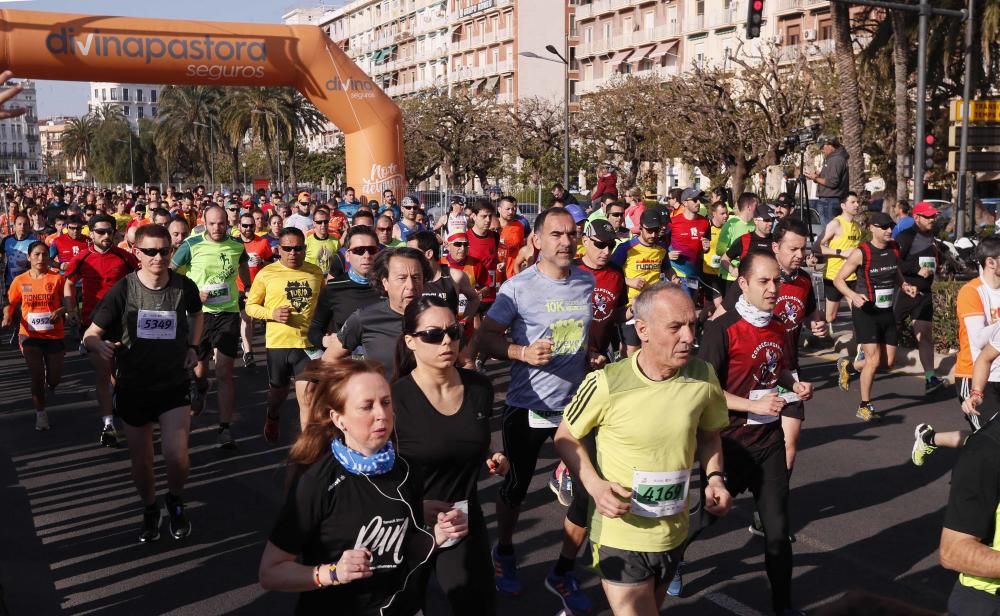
(715, 474)
(838, 252)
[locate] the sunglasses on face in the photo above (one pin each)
(883, 227)
(600, 245)
(435, 335)
(460, 244)
(320, 221)
(152, 252)
(384, 229)
(616, 214)
(250, 226)
(232, 209)
(102, 231)
(409, 207)
(292, 248)
(73, 228)
(363, 250)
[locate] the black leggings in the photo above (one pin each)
(521, 444)
(765, 474)
(465, 570)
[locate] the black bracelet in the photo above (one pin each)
(715, 474)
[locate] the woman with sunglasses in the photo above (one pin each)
(37, 295)
(443, 427)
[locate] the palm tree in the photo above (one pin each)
(183, 121)
(850, 100)
(303, 120)
(256, 111)
(78, 140)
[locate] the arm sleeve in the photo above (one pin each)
(111, 308)
(590, 403)
(735, 250)
(350, 334)
(504, 309)
(182, 258)
(909, 267)
(299, 517)
(832, 171)
(255, 298)
(321, 318)
(73, 269)
(972, 502)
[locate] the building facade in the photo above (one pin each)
(136, 101)
(20, 147)
(54, 163)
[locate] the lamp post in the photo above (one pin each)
(244, 175)
(211, 149)
(277, 150)
(562, 59)
(131, 166)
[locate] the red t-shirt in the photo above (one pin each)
(485, 250)
(685, 237)
(67, 248)
(259, 252)
(99, 272)
(609, 295)
(338, 224)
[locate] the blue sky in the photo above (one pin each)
(70, 98)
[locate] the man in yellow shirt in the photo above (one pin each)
(285, 295)
(646, 449)
(840, 238)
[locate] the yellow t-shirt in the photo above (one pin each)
(712, 260)
(321, 252)
(849, 238)
(638, 431)
(276, 286)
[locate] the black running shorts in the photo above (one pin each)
(919, 308)
(630, 568)
(283, 364)
(874, 325)
(830, 292)
(138, 408)
(222, 333)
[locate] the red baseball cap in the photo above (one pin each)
(924, 208)
(456, 236)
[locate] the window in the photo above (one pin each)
(825, 29)
(124, 94)
(95, 94)
(700, 7)
(138, 96)
(793, 35)
(588, 35)
(152, 96)
(104, 94)
(139, 111)
(153, 111)
(114, 94)
(126, 110)
(607, 31)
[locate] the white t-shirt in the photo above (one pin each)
(995, 366)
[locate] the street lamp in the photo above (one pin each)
(277, 150)
(244, 175)
(562, 59)
(131, 167)
(211, 149)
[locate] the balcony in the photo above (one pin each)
(589, 86)
(796, 5)
(719, 19)
(430, 21)
(479, 40)
(487, 6)
(630, 39)
(693, 23)
(599, 7)
(467, 73)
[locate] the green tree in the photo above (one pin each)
(78, 141)
(184, 116)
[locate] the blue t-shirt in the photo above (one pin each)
(16, 252)
(349, 209)
(535, 306)
(904, 223)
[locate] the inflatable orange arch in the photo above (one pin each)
(64, 46)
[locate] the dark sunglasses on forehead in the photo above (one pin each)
(102, 230)
(152, 252)
(363, 250)
(435, 335)
(292, 248)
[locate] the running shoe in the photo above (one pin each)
(676, 586)
(860, 355)
(41, 421)
(197, 398)
(843, 375)
(151, 525)
(505, 573)
(756, 528)
(921, 448)
(109, 436)
(180, 526)
(561, 484)
(568, 590)
(226, 440)
(866, 412)
(272, 428)
(249, 361)
(933, 384)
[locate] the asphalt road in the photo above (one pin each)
(864, 516)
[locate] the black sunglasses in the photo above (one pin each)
(409, 207)
(152, 252)
(363, 250)
(102, 231)
(435, 335)
(250, 226)
(73, 227)
(232, 209)
(293, 248)
(600, 245)
(383, 229)
(460, 244)
(320, 222)
(616, 214)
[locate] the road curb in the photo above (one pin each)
(907, 360)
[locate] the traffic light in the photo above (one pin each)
(755, 18)
(908, 166)
(929, 150)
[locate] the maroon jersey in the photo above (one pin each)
(746, 243)
(485, 249)
(747, 359)
(609, 295)
(796, 301)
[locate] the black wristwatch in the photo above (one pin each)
(838, 252)
(715, 474)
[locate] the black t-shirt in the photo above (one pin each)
(975, 485)
(915, 247)
(340, 299)
(329, 510)
(747, 242)
(375, 328)
(152, 326)
(450, 449)
(444, 288)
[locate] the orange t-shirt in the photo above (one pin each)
(511, 241)
(38, 297)
(970, 304)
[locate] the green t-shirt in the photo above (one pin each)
(646, 438)
(213, 266)
(731, 230)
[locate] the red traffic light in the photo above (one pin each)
(758, 5)
(929, 139)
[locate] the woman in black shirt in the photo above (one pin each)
(443, 427)
(352, 528)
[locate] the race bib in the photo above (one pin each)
(691, 283)
(544, 419)
(156, 325)
(659, 494)
(40, 321)
(463, 301)
(253, 259)
(928, 262)
(755, 419)
(715, 262)
(217, 293)
(314, 353)
(883, 298)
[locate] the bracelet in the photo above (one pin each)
(319, 584)
(975, 393)
(333, 575)
(715, 474)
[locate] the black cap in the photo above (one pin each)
(651, 219)
(784, 200)
(881, 220)
(763, 211)
(602, 231)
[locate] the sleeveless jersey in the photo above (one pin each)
(879, 274)
(850, 237)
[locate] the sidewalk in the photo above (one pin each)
(907, 359)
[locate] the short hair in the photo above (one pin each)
(483, 204)
(380, 268)
(156, 232)
(350, 188)
(161, 212)
(850, 193)
(559, 186)
(181, 220)
(61, 217)
(789, 225)
(357, 231)
(616, 203)
(509, 199)
(96, 220)
(546, 214)
(989, 247)
(362, 214)
(605, 196)
(904, 206)
(427, 240)
(272, 217)
(747, 262)
(642, 306)
(717, 205)
(321, 208)
(292, 231)
(747, 199)
(188, 195)
(74, 219)
(675, 194)
(246, 215)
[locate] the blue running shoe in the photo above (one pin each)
(505, 573)
(566, 587)
(676, 586)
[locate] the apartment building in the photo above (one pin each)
(20, 149)
(136, 101)
(54, 163)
